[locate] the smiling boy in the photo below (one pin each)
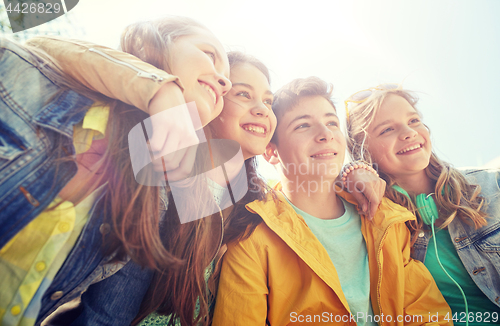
(313, 259)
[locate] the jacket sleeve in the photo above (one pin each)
(242, 293)
(115, 300)
(423, 302)
(113, 73)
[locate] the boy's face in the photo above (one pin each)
(310, 143)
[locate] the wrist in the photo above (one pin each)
(355, 165)
(168, 95)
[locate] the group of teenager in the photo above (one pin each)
(84, 243)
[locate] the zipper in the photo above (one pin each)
(140, 73)
(29, 197)
(378, 264)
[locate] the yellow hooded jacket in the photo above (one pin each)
(282, 274)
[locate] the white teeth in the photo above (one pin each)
(410, 149)
(211, 91)
(324, 155)
(255, 129)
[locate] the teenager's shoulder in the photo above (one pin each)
(489, 178)
(389, 212)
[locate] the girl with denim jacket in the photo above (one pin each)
(99, 224)
(385, 128)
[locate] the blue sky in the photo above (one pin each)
(447, 50)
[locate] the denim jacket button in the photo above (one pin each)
(56, 295)
(421, 234)
(104, 228)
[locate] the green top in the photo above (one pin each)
(481, 309)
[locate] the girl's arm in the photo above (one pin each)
(113, 73)
(124, 77)
(242, 293)
(365, 185)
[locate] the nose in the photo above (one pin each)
(260, 110)
(324, 135)
(407, 133)
(225, 83)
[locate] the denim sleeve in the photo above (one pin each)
(117, 299)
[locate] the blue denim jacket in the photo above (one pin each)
(36, 128)
(479, 249)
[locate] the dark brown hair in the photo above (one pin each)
(177, 292)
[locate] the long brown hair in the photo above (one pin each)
(178, 251)
(179, 292)
(132, 209)
(135, 208)
(455, 196)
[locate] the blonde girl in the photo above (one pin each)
(385, 128)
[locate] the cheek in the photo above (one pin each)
(341, 138)
(273, 123)
(377, 149)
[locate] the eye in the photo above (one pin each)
(386, 130)
(332, 123)
(211, 55)
(415, 120)
(244, 94)
(268, 102)
(302, 126)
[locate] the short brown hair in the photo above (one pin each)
(289, 96)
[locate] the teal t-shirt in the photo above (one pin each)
(482, 311)
(344, 242)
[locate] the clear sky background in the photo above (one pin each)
(447, 50)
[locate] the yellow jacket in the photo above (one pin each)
(282, 274)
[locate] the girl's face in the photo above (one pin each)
(200, 62)
(247, 116)
(398, 140)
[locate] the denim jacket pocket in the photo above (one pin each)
(489, 246)
(490, 242)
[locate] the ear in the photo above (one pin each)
(271, 154)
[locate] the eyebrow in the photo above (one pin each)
(307, 116)
(251, 87)
(217, 53)
(390, 120)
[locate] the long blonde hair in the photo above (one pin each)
(455, 196)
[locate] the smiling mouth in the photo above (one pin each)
(259, 130)
(324, 155)
(210, 91)
(409, 149)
